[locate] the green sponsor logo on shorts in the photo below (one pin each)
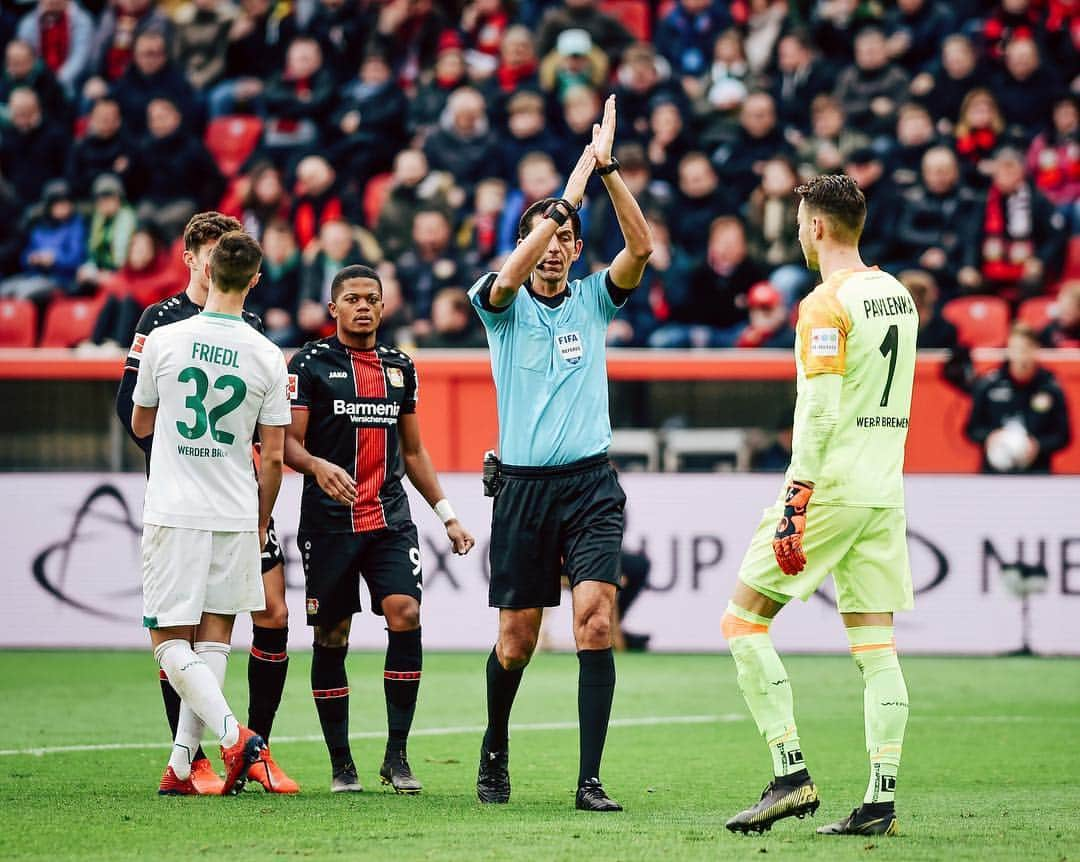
(149, 622)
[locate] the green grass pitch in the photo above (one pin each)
(990, 765)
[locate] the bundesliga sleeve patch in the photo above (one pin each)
(137, 346)
(292, 387)
(825, 342)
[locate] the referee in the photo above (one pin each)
(558, 506)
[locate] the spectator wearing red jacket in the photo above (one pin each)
(1053, 160)
(317, 200)
(770, 320)
(61, 33)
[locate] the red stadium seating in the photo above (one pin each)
(1036, 312)
(634, 15)
(70, 321)
(1072, 259)
(18, 323)
(980, 321)
(375, 193)
(231, 140)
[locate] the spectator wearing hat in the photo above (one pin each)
(698, 201)
(686, 35)
(111, 225)
(55, 248)
(605, 31)
(759, 139)
(935, 332)
(526, 132)
(179, 175)
(800, 77)
(369, 123)
(23, 68)
(831, 140)
(153, 76)
(942, 87)
(116, 38)
(1064, 329)
(105, 148)
(574, 62)
(464, 144)
(449, 73)
(32, 148)
(883, 204)
(872, 87)
(1018, 411)
(1053, 160)
(707, 306)
(60, 32)
(407, 33)
(298, 101)
(1019, 243)
(769, 322)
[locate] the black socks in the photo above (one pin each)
(330, 688)
(502, 686)
(268, 664)
(401, 683)
(596, 689)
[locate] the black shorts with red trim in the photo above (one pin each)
(387, 560)
(547, 522)
(272, 554)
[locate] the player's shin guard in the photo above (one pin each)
(330, 688)
(765, 686)
(198, 687)
(172, 711)
(596, 690)
(401, 683)
(885, 705)
(190, 728)
(268, 664)
(502, 687)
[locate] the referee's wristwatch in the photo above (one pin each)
(609, 168)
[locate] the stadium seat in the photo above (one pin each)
(980, 321)
(635, 449)
(70, 321)
(706, 449)
(1072, 259)
(231, 140)
(18, 323)
(375, 194)
(1036, 312)
(633, 14)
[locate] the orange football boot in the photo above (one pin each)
(271, 776)
(206, 781)
(239, 759)
(173, 786)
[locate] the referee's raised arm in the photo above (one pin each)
(519, 265)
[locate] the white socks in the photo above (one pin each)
(197, 676)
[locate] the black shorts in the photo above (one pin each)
(547, 522)
(388, 560)
(272, 554)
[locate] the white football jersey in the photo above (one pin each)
(212, 378)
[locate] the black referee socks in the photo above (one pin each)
(401, 683)
(268, 663)
(502, 686)
(330, 688)
(596, 690)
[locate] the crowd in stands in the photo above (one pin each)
(410, 135)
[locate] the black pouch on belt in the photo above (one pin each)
(492, 473)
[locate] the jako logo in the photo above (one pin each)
(339, 375)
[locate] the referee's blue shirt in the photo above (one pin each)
(550, 371)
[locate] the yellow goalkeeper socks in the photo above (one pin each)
(885, 706)
(765, 687)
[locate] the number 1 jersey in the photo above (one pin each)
(213, 379)
(860, 324)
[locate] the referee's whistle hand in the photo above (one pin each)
(335, 481)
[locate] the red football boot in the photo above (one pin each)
(173, 786)
(206, 781)
(239, 759)
(271, 776)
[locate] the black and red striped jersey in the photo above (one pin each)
(354, 398)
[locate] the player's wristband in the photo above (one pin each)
(609, 168)
(445, 511)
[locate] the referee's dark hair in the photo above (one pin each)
(234, 261)
(525, 223)
(356, 270)
(839, 198)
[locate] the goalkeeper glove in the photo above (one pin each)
(787, 542)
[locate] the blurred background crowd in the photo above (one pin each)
(410, 135)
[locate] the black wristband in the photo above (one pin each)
(609, 168)
(557, 214)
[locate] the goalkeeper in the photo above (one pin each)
(842, 511)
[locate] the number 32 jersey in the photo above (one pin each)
(862, 325)
(213, 378)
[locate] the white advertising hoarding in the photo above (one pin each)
(71, 571)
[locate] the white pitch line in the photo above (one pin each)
(645, 721)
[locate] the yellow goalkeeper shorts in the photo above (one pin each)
(865, 550)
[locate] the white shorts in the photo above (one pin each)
(187, 572)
